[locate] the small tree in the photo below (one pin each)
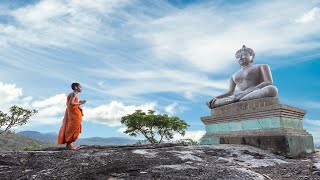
(17, 116)
(150, 125)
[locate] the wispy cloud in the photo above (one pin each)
(121, 130)
(312, 104)
(154, 47)
(313, 128)
(194, 135)
(174, 108)
(138, 82)
(309, 16)
(171, 108)
(313, 122)
(110, 114)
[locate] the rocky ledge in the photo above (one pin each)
(167, 161)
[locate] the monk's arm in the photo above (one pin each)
(73, 97)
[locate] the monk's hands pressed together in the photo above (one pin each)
(82, 101)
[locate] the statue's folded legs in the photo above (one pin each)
(267, 91)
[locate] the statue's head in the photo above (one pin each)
(245, 55)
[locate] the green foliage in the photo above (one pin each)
(142, 142)
(151, 125)
(187, 142)
(16, 116)
(10, 132)
(33, 146)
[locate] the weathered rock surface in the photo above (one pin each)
(167, 161)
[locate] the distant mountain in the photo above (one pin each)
(44, 137)
(11, 141)
(52, 138)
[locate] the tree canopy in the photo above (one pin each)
(152, 125)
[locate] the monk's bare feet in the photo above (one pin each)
(72, 147)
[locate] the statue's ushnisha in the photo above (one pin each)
(253, 81)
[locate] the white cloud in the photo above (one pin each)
(9, 93)
(312, 127)
(313, 122)
(313, 104)
(194, 135)
(110, 114)
(174, 108)
(188, 95)
(121, 130)
(59, 99)
(309, 16)
(50, 110)
(171, 108)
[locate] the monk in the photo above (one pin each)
(71, 125)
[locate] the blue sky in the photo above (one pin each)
(169, 56)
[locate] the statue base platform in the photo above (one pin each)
(263, 123)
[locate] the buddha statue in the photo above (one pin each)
(253, 81)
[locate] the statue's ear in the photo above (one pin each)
(252, 55)
(252, 60)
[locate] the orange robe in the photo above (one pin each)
(71, 125)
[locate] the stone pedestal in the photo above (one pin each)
(263, 123)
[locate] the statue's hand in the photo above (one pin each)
(211, 102)
(244, 93)
(231, 99)
(249, 90)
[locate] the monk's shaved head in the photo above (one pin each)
(74, 85)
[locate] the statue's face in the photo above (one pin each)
(244, 58)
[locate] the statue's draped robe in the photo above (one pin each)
(71, 125)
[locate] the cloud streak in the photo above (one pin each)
(194, 135)
(309, 16)
(313, 127)
(178, 50)
(110, 114)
